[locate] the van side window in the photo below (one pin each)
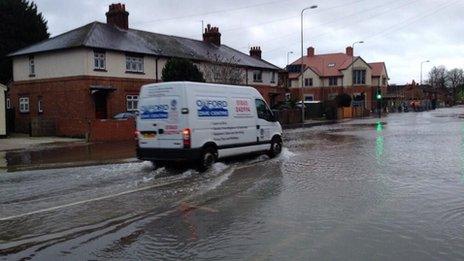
(262, 110)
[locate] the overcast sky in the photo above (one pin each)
(402, 33)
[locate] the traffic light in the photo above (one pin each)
(379, 96)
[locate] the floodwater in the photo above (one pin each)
(361, 190)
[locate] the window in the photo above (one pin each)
(288, 96)
(272, 77)
(262, 110)
(131, 102)
(31, 66)
(309, 98)
(308, 82)
(332, 96)
(332, 81)
(99, 61)
(331, 65)
(134, 64)
(359, 77)
(39, 105)
(24, 104)
(257, 76)
(384, 80)
(8, 103)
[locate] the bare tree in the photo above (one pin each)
(437, 77)
(455, 79)
(224, 70)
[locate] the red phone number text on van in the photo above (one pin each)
(242, 107)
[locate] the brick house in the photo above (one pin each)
(95, 71)
(327, 75)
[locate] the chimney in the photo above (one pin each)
(349, 51)
(255, 52)
(118, 16)
(310, 51)
(212, 35)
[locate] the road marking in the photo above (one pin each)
(86, 201)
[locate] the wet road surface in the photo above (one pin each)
(361, 190)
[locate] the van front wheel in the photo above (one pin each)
(208, 158)
(276, 147)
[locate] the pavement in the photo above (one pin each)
(18, 141)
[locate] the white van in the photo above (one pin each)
(201, 122)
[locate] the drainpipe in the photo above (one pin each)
(156, 69)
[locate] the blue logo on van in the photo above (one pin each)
(174, 105)
(154, 111)
(212, 108)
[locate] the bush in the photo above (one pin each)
(177, 69)
(343, 100)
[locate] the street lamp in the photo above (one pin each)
(352, 60)
(288, 55)
(421, 70)
(352, 76)
(301, 69)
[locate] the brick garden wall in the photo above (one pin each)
(112, 130)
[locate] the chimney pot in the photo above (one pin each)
(212, 35)
(255, 51)
(118, 16)
(349, 51)
(310, 51)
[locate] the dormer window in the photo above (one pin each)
(31, 66)
(99, 61)
(331, 65)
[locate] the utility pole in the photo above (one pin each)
(421, 70)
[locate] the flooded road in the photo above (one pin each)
(361, 190)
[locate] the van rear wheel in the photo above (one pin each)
(276, 147)
(208, 158)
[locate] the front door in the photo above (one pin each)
(100, 105)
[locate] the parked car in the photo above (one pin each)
(124, 116)
(201, 123)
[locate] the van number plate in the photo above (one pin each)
(149, 135)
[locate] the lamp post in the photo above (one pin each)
(301, 69)
(421, 70)
(288, 56)
(352, 76)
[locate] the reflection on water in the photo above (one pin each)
(379, 143)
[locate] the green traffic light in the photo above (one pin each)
(379, 96)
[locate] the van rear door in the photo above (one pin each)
(160, 122)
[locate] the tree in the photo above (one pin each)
(437, 77)
(343, 100)
(178, 69)
(222, 70)
(21, 25)
(455, 79)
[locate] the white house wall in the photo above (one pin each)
(360, 65)
(51, 65)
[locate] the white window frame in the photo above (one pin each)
(24, 104)
(8, 103)
(99, 60)
(39, 106)
(31, 66)
(257, 76)
(272, 77)
(134, 64)
(132, 102)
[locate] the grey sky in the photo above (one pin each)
(400, 32)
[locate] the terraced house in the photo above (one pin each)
(95, 71)
(327, 75)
